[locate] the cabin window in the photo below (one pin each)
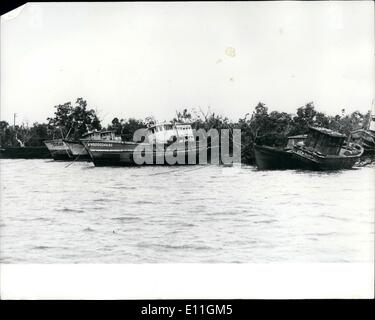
(328, 145)
(332, 142)
(312, 139)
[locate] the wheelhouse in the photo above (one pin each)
(324, 141)
(170, 132)
(101, 135)
(294, 140)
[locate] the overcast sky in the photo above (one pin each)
(141, 59)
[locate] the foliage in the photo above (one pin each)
(126, 128)
(25, 135)
(74, 121)
(259, 126)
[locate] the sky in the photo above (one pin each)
(151, 59)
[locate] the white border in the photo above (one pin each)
(187, 281)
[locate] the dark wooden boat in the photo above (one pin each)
(323, 149)
(271, 158)
(24, 153)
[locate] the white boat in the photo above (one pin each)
(78, 150)
(59, 149)
(163, 142)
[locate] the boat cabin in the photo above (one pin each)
(100, 135)
(294, 140)
(170, 132)
(325, 141)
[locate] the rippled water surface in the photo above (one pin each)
(56, 212)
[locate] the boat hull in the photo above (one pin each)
(58, 149)
(78, 150)
(324, 163)
(366, 139)
(24, 153)
(269, 158)
(121, 153)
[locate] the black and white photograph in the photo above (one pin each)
(159, 140)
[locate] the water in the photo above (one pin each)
(53, 212)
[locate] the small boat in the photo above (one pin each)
(78, 150)
(366, 137)
(163, 143)
(322, 149)
(59, 149)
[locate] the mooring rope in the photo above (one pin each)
(69, 164)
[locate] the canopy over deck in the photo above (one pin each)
(328, 132)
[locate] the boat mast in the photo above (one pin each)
(68, 131)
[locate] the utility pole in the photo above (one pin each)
(14, 120)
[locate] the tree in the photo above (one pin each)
(253, 130)
(127, 128)
(116, 126)
(348, 123)
(130, 127)
(74, 121)
(322, 120)
(63, 118)
(304, 119)
(183, 116)
(38, 133)
(5, 138)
